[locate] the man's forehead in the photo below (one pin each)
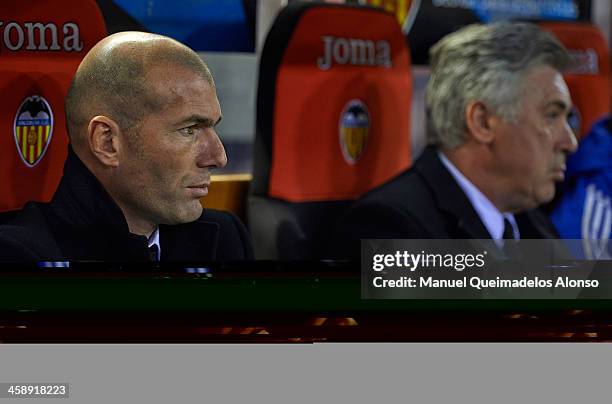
(546, 86)
(174, 74)
(175, 84)
(560, 96)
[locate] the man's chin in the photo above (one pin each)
(193, 215)
(527, 202)
(544, 197)
(185, 216)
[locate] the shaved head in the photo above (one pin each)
(112, 80)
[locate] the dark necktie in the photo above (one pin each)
(508, 230)
(511, 247)
(153, 252)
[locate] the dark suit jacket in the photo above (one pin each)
(82, 222)
(423, 202)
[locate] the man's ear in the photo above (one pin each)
(104, 140)
(480, 122)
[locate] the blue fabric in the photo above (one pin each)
(584, 211)
(203, 25)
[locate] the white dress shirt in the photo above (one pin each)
(154, 240)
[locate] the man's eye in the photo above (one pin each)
(188, 131)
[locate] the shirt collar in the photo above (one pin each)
(154, 240)
(490, 216)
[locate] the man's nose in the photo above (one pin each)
(212, 152)
(569, 143)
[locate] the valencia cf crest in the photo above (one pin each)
(33, 129)
(354, 128)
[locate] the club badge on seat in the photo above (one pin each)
(354, 128)
(33, 129)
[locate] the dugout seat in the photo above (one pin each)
(228, 192)
(589, 79)
(41, 45)
(333, 121)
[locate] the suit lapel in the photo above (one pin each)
(455, 204)
(534, 224)
(465, 222)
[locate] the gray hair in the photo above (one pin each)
(485, 63)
